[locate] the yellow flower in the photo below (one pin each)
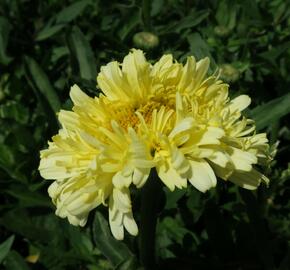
(167, 116)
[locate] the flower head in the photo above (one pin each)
(168, 116)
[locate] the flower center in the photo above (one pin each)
(125, 114)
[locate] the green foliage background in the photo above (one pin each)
(47, 46)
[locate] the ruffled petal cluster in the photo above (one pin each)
(168, 116)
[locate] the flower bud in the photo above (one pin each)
(145, 40)
(222, 31)
(229, 73)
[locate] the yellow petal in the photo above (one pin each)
(130, 224)
(78, 96)
(242, 160)
(170, 177)
(203, 177)
(140, 176)
(248, 180)
(239, 103)
(136, 69)
(120, 181)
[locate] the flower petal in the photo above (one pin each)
(203, 177)
(248, 180)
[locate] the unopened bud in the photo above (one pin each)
(145, 40)
(229, 73)
(222, 31)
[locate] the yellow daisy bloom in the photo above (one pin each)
(167, 116)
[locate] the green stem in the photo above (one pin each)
(151, 194)
(146, 6)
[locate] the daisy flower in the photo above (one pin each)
(169, 117)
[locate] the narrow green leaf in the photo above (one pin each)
(14, 261)
(57, 23)
(4, 34)
(130, 24)
(115, 251)
(5, 247)
(45, 107)
(198, 47)
(25, 226)
(6, 156)
(81, 242)
(268, 113)
(129, 264)
(195, 18)
(28, 198)
(82, 53)
(72, 11)
(190, 21)
(227, 19)
(43, 84)
(49, 31)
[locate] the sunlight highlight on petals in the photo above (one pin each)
(171, 117)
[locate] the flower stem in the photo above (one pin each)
(151, 196)
(146, 6)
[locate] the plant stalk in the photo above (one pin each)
(146, 6)
(151, 195)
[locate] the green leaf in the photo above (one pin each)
(82, 53)
(14, 261)
(14, 110)
(42, 83)
(198, 47)
(129, 264)
(269, 113)
(173, 197)
(72, 11)
(49, 31)
(28, 198)
(272, 54)
(115, 251)
(8, 163)
(5, 247)
(190, 21)
(18, 221)
(156, 7)
(62, 19)
(81, 243)
(173, 228)
(227, 19)
(6, 156)
(5, 28)
(129, 26)
(194, 19)
(24, 143)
